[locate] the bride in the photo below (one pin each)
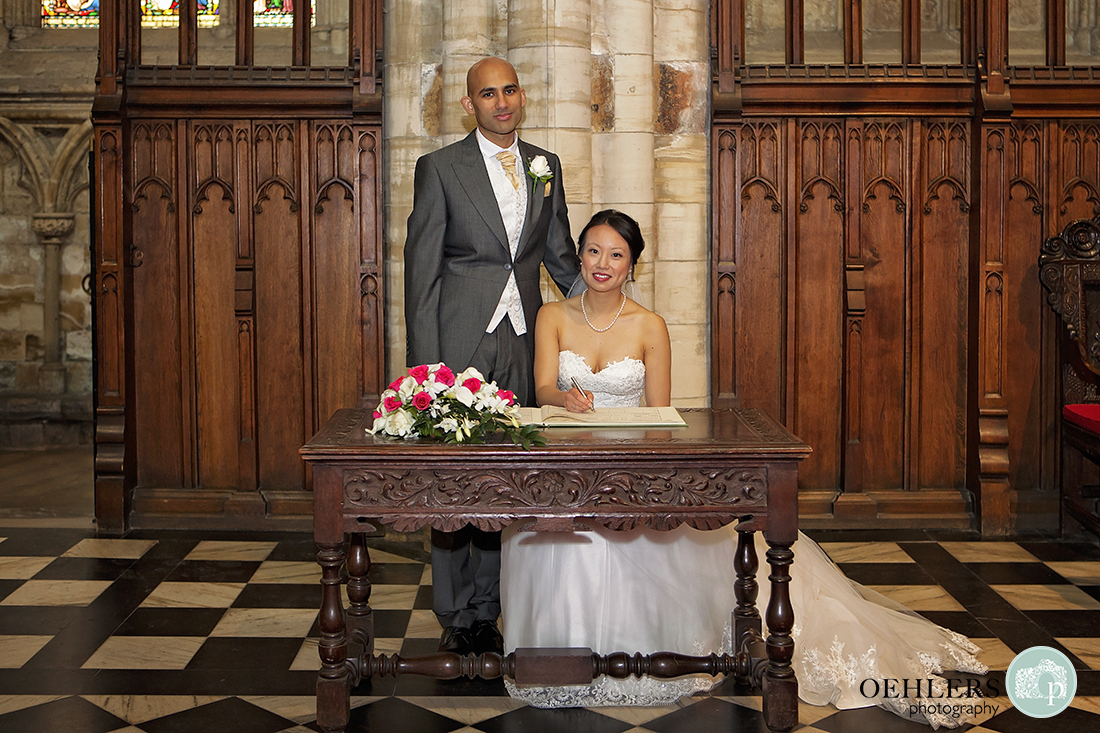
(647, 591)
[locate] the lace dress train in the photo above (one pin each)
(651, 591)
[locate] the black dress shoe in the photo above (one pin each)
(485, 637)
(455, 639)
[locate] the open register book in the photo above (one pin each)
(551, 416)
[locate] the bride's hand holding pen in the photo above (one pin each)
(577, 400)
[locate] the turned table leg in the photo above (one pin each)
(780, 686)
(333, 681)
(746, 618)
(360, 619)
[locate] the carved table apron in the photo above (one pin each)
(726, 465)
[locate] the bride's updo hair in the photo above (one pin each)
(623, 224)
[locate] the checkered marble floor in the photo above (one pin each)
(172, 632)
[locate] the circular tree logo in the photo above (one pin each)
(1041, 682)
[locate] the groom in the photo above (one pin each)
(487, 210)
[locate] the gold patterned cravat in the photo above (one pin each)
(509, 162)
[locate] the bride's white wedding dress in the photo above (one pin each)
(647, 591)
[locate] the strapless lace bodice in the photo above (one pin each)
(619, 384)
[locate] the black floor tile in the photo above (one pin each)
(561, 720)
(391, 624)
(247, 681)
(213, 571)
(7, 587)
(40, 542)
(395, 573)
(36, 620)
(68, 714)
(234, 652)
(1060, 551)
(710, 714)
(1007, 573)
(864, 720)
(392, 715)
(424, 597)
(302, 549)
(419, 647)
(1070, 719)
(171, 622)
(961, 622)
(886, 573)
(84, 568)
(279, 595)
(1092, 590)
(230, 714)
(1067, 623)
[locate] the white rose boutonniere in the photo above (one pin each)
(539, 169)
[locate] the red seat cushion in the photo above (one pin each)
(1083, 416)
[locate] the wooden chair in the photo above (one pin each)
(1069, 268)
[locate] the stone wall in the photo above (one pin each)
(48, 79)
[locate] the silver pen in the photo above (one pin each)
(577, 385)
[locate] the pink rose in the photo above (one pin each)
(507, 396)
(419, 373)
(421, 400)
(392, 404)
(377, 414)
(444, 375)
(396, 384)
(473, 384)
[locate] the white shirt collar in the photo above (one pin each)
(489, 148)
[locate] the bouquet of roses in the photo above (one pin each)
(431, 401)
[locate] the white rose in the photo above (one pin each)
(540, 168)
(400, 423)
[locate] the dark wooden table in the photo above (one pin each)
(725, 466)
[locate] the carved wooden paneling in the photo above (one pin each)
(212, 191)
(878, 164)
(260, 315)
(336, 260)
(1079, 157)
(112, 484)
(276, 213)
(940, 315)
(159, 285)
(760, 247)
(1023, 311)
(724, 214)
(818, 312)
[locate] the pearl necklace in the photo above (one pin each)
(608, 327)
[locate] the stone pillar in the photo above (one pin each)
(51, 230)
(411, 127)
(468, 36)
(623, 150)
(680, 189)
(550, 44)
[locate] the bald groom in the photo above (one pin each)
(482, 223)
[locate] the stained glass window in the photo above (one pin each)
(277, 13)
(165, 13)
(70, 13)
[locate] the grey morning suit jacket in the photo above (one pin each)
(457, 260)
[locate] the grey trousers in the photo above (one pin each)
(466, 563)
